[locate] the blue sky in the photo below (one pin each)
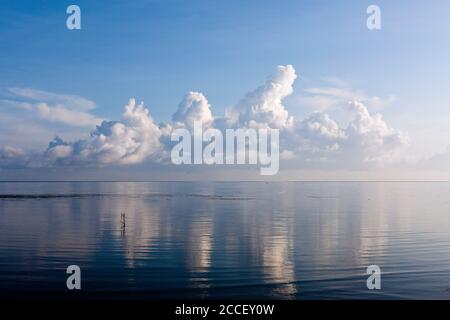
(157, 51)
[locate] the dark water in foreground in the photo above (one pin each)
(226, 240)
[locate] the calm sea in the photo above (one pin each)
(289, 240)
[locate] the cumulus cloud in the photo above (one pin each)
(320, 127)
(11, 157)
(263, 106)
(129, 141)
(312, 136)
(365, 138)
(373, 136)
(193, 108)
(8, 152)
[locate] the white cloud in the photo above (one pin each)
(263, 106)
(331, 97)
(69, 101)
(58, 149)
(194, 107)
(313, 138)
(66, 116)
(334, 92)
(320, 127)
(11, 157)
(9, 152)
(319, 102)
(373, 136)
(129, 141)
(364, 139)
(69, 110)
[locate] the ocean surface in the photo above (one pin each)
(246, 240)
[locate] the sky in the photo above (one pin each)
(352, 103)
